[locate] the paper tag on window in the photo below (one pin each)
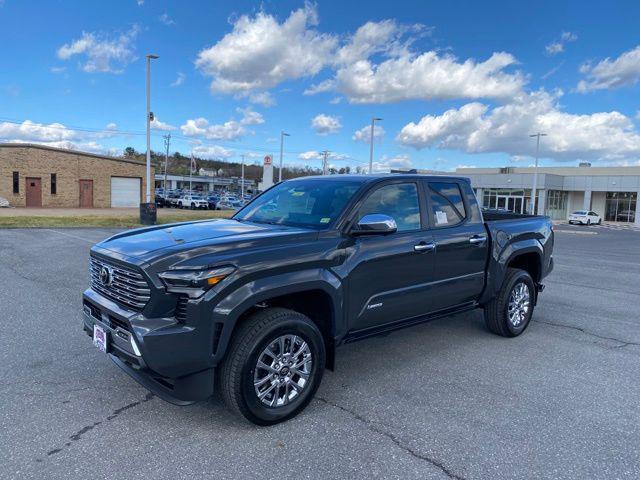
(441, 217)
(325, 220)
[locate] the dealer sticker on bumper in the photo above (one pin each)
(100, 338)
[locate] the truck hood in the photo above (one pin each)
(147, 242)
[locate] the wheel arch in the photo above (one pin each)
(316, 294)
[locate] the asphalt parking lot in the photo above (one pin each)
(442, 400)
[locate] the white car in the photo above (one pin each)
(192, 201)
(585, 217)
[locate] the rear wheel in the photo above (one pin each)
(588, 222)
(273, 367)
(509, 313)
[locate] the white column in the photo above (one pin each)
(637, 222)
(586, 204)
(480, 196)
(542, 202)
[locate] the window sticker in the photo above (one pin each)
(441, 217)
(325, 220)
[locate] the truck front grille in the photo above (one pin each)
(121, 284)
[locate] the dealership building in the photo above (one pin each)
(34, 175)
(611, 192)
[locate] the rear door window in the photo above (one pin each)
(446, 204)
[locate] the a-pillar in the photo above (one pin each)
(480, 196)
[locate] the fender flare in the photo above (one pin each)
(230, 309)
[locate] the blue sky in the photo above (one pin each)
(456, 83)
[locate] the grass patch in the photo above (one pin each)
(114, 221)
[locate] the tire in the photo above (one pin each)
(588, 223)
(179, 204)
(240, 369)
(193, 206)
(599, 221)
(496, 313)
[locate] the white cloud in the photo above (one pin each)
(179, 80)
(249, 117)
(429, 76)
(335, 100)
(102, 53)
(55, 135)
(140, 2)
(260, 52)
(230, 130)
(58, 69)
(364, 134)
(262, 98)
(315, 155)
(386, 163)
(324, 86)
(325, 124)
(622, 71)
(112, 126)
(474, 128)
(558, 46)
(158, 125)
(166, 19)
(211, 152)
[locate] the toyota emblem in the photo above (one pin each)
(106, 276)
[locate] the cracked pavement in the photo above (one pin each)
(444, 400)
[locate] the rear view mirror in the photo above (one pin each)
(375, 223)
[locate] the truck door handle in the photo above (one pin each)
(424, 247)
(478, 239)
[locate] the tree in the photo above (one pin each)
(130, 152)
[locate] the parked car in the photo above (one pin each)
(258, 303)
(171, 200)
(212, 200)
(192, 201)
(585, 217)
(228, 205)
(626, 216)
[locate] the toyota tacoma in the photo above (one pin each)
(254, 306)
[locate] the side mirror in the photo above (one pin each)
(375, 224)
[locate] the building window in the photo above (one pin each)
(557, 201)
(16, 183)
(621, 207)
(54, 184)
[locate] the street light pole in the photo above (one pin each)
(325, 156)
(373, 121)
(535, 172)
(167, 141)
(149, 58)
(282, 135)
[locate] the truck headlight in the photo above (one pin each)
(194, 282)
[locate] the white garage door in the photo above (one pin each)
(125, 192)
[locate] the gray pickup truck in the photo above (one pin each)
(256, 305)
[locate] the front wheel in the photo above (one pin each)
(273, 367)
(509, 313)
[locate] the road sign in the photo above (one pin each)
(268, 160)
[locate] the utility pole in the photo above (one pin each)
(242, 179)
(373, 121)
(325, 155)
(282, 135)
(167, 142)
(535, 172)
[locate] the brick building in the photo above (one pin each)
(40, 176)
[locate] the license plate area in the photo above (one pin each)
(100, 339)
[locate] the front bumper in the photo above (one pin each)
(138, 351)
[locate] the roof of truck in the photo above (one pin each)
(380, 176)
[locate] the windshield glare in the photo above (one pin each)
(302, 203)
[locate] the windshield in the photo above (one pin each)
(303, 203)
